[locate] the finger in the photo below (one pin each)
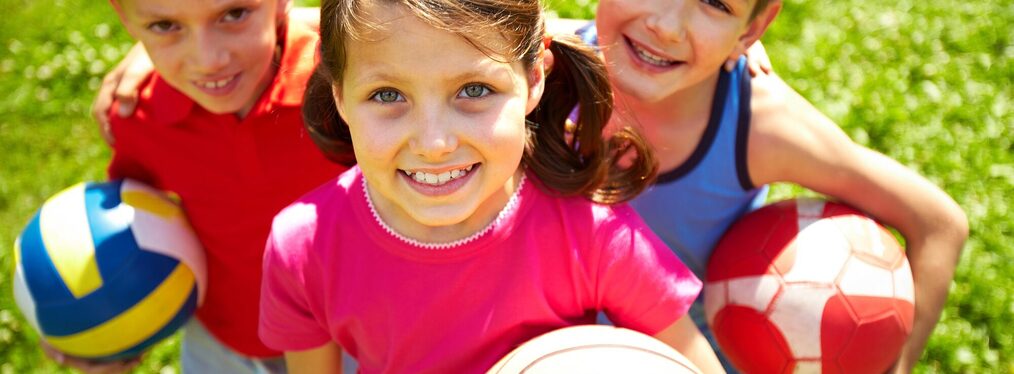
(730, 65)
(52, 353)
(754, 68)
(127, 106)
(100, 367)
(126, 94)
(106, 130)
(104, 98)
(103, 101)
(130, 84)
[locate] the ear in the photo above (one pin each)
(284, 6)
(537, 79)
(336, 90)
(756, 28)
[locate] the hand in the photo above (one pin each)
(121, 85)
(757, 61)
(899, 368)
(89, 366)
(308, 16)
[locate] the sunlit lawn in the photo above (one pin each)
(928, 83)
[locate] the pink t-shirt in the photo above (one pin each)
(334, 272)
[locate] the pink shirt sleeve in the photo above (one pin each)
(642, 285)
(287, 319)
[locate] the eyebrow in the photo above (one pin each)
(477, 73)
(220, 6)
(154, 12)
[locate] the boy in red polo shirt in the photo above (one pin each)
(219, 124)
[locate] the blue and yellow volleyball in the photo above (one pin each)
(105, 270)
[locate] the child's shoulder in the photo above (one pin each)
(329, 199)
(584, 214)
(777, 110)
(789, 135)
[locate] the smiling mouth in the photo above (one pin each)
(215, 84)
(438, 179)
(650, 58)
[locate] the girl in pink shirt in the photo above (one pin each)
(469, 225)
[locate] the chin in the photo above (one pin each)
(646, 93)
(221, 108)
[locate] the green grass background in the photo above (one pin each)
(926, 82)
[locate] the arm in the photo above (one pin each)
(324, 359)
(308, 16)
(792, 141)
(757, 61)
(89, 366)
(121, 85)
(684, 337)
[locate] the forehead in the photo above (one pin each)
(184, 8)
(743, 4)
(395, 38)
(378, 20)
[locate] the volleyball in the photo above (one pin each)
(594, 349)
(809, 286)
(105, 270)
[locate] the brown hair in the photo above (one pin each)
(589, 167)
(758, 8)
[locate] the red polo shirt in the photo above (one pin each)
(231, 175)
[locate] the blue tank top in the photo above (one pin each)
(691, 206)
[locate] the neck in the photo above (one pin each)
(687, 107)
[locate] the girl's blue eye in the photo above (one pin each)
(474, 91)
(162, 27)
(717, 4)
(386, 96)
(234, 15)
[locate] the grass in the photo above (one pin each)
(927, 83)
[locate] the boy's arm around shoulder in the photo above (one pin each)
(791, 141)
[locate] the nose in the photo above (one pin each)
(671, 24)
(210, 53)
(434, 137)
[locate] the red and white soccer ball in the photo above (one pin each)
(809, 286)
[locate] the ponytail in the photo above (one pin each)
(590, 164)
(320, 116)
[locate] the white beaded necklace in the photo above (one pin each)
(507, 209)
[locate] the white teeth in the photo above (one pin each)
(215, 84)
(652, 58)
(438, 179)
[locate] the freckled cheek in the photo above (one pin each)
(166, 56)
(376, 141)
(251, 49)
(508, 136)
